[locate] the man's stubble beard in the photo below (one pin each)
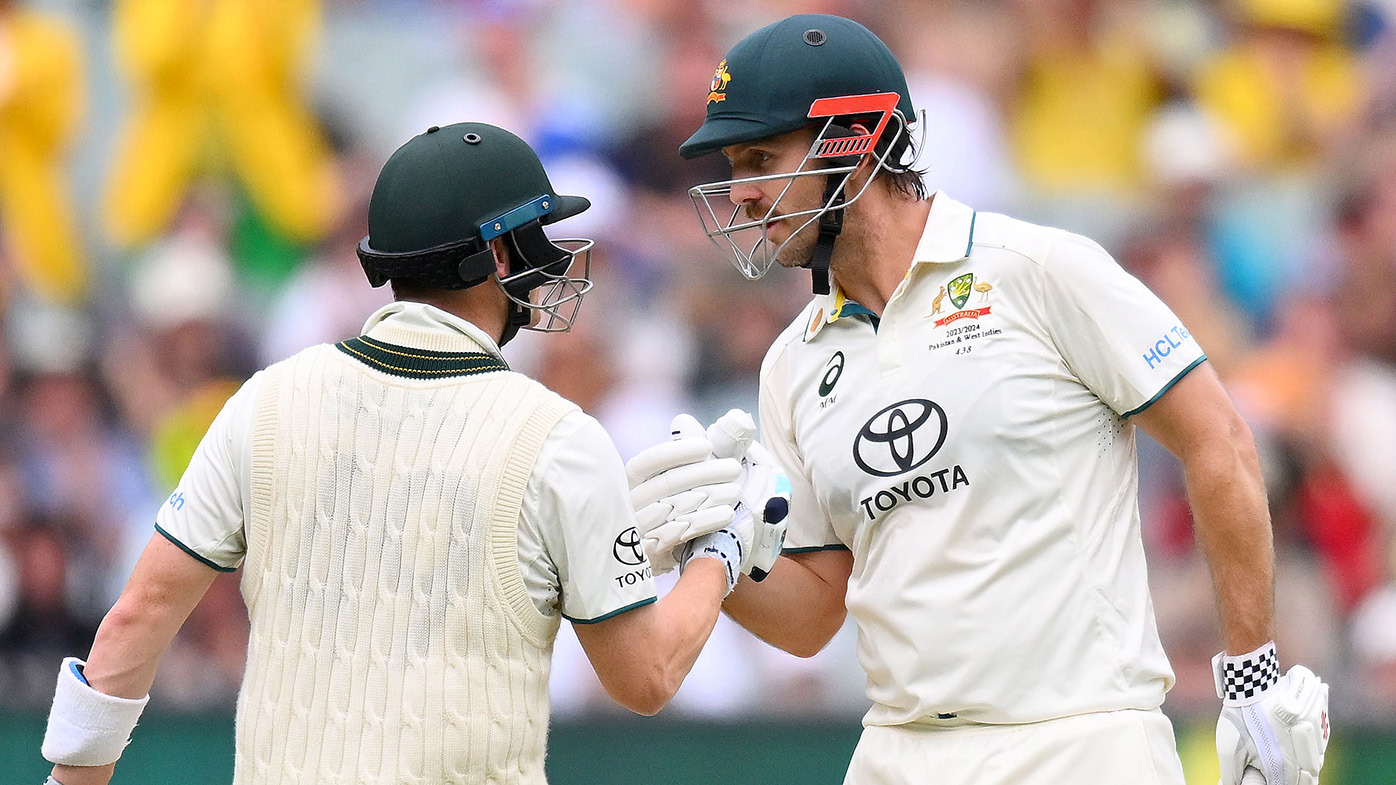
(799, 249)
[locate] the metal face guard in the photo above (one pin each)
(549, 291)
(746, 243)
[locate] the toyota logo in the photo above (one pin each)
(627, 547)
(900, 438)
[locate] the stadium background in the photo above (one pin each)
(182, 184)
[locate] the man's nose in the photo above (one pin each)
(743, 193)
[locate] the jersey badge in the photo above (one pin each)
(959, 290)
(717, 91)
(814, 324)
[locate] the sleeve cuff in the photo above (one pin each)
(632, 606)
(1166, 387)
(813, 549)
(192, 552)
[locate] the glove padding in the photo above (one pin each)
(1279, 732)
(679, 492)
(765, 490)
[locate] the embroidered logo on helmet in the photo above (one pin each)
(717, 91)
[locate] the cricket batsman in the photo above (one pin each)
(956, 410)
(413, 519)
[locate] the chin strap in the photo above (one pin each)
(830, 224)
(519, 317)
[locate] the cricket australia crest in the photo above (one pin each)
(959, 290)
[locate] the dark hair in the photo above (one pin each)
(904, 179)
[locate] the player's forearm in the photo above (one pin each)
(1233, 526)
(164, 588)
(643, 655)
(122, 663)
(688, 614)
(796, 608)
(127, 650)
(162, 592)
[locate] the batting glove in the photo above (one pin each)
(765, 489)
(1271, 724)
(679, 492)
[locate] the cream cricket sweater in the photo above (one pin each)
(393, 639)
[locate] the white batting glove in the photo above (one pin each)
(1273, 729)
(679, 492)
(765, 489)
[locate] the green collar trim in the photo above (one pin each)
(851, 308)
(413, 363)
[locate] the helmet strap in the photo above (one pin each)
(830, 225)
(518, 318)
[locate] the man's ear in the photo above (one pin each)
(867, 164)
(501, 256)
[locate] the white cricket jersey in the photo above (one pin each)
(972, 448)
(577, 547)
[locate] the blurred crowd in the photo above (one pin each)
(182, 186)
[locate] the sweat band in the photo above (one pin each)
(87, 727)
(1243, 679)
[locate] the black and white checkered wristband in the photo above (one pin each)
(1243, 680)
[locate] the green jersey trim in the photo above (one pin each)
(612, 614)
(813, 549)
(191, 552)
(1166, 388)
(413, 363)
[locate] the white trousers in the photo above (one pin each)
(1107, 748)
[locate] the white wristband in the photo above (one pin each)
(87, 727)
(1243, 679)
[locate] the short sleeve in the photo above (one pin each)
(1115, 335)
(204, 515)
(579, 505)
(808, 529)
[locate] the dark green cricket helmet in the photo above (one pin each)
(769, 80)
(446, 193)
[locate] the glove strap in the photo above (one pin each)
(1243, 679)
(722, 545)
